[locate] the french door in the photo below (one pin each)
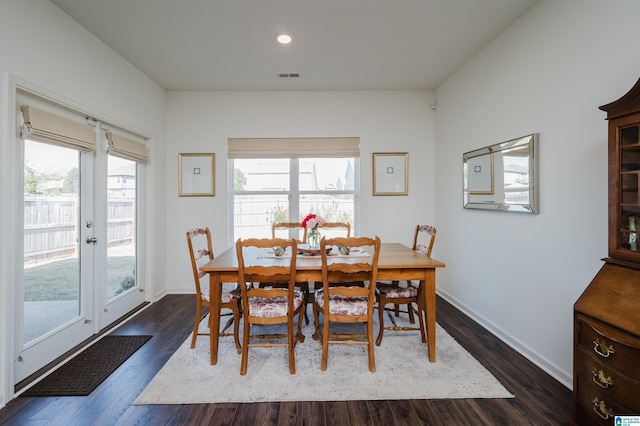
(57, 295)
(80, 254)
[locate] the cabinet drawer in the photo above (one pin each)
(585, 416)
(600, 406)
(614, 348)
(611, 385)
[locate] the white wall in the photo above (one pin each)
(393, 121)
(548, 73)
(42, 46)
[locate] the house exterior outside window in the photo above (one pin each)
(270, 190)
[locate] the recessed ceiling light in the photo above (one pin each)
(284, 39)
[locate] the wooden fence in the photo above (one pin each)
(50, 225)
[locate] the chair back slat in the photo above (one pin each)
(430, 233)
(288, 226)
(250, 273)
(333, 229)
(200, 252)
(346, 269)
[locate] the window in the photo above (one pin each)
(274, 188)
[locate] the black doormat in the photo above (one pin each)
(83, 373)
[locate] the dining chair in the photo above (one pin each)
(268, 306)
(346, 304)
(288, 226)
(333, 229)
(397, 295)
(201, 252)
(329, 230)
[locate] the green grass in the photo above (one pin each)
(58, 280)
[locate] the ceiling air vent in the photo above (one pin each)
(288, 75)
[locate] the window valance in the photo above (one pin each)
(43, 126)
(294, 147)
(122, 147)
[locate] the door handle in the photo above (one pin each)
(91, 240)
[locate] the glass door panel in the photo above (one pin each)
(121, 226)
(56, 310)
(51, 245)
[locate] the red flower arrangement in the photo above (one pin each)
(312, 221)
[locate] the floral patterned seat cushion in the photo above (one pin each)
(399, 292)
(274, 306)
(227, 295)
(343, 305)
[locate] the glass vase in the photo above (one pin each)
(314, 239)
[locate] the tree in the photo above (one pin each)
(30, 181)
(71, 183)
(239, 180)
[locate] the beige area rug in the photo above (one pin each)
(402, 372)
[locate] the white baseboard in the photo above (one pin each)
(564, 377)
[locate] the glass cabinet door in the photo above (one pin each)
(624, 220)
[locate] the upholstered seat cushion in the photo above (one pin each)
(229, 292)
(398, 292)
(343, 305)
(274, 306)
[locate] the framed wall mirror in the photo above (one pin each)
(502, 177)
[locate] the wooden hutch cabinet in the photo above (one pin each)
(606, 355)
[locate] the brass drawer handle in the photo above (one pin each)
(600, 408)
(600, 379)
(602, 349)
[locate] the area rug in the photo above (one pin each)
(83, 373)
(402, 372)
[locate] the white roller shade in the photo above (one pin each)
(122, 147)
(44, 126)
(294, 147)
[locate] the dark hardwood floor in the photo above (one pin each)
(539, 399)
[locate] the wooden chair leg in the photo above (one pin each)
(325, 344)
(381, 305)
(421, 320)
(236, 328)
(299, 335)
(245, 348)
(372, 361)
(305, 292)
(316, 322)
(412, 320)
(196, 325)
(291, 345)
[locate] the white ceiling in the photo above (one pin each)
(337, 44)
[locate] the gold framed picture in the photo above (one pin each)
(196, 174)
(390, 173)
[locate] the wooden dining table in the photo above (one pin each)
(396, 262)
